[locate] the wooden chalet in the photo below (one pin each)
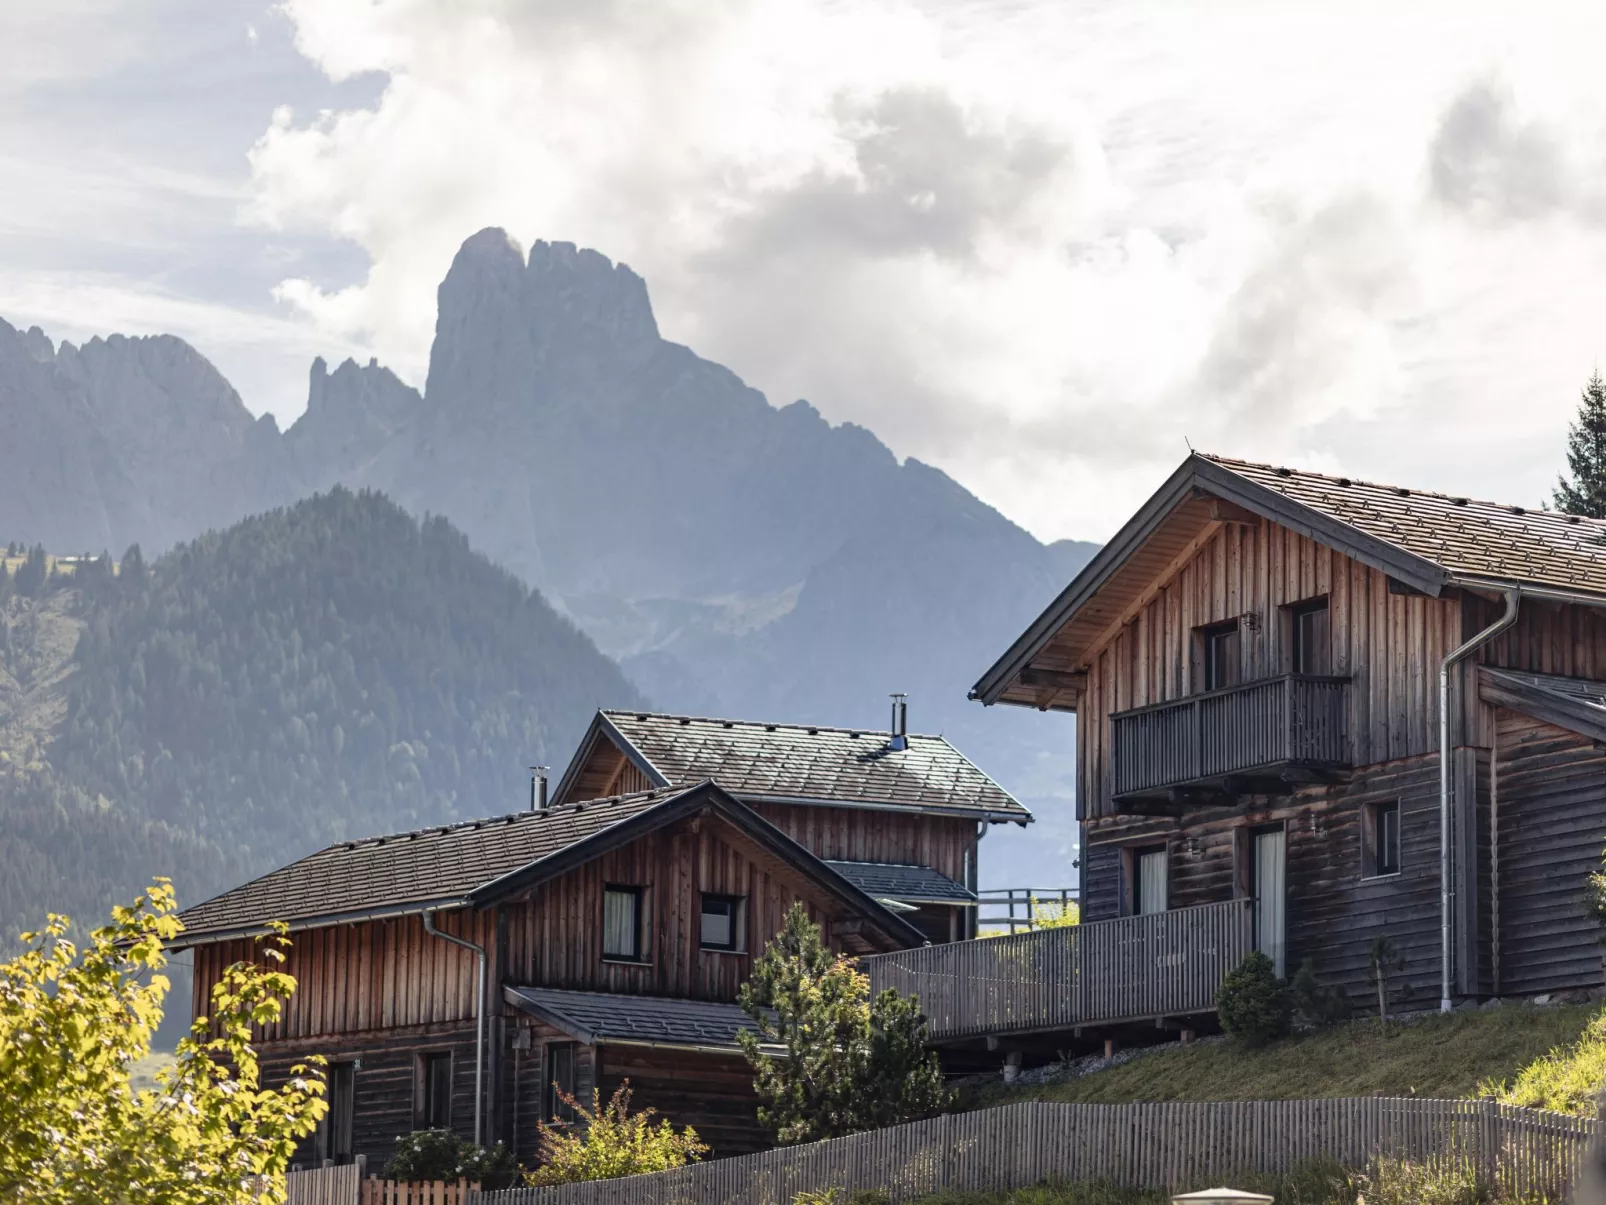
(452, 976)
(899, 814)
(1254, 663)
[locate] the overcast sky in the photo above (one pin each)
(1039, 244)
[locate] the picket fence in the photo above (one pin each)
(346, 1185)
(1175, 1146)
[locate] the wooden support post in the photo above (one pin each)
(1012, 1066)
(1187, 1035)
(1109, 1048)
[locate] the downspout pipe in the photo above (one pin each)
(1513, 596)
(479, 1021)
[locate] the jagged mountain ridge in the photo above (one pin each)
(736, 557)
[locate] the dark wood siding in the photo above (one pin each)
(1388, 644)
(711, 1092)
(1334, 913)
(1552, 826)
(944, 843)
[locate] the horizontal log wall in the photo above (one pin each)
(1334, 913)
(710, 1092)
(384, 1099)
(1178, 1147)
(1552, 825)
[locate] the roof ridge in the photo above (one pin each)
(1344, 482)
(767, 725)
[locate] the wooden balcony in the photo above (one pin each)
(1260, 736)
(1167, 964)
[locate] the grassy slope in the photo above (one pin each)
(1434, 1056)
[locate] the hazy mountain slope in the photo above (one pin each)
(329, 670)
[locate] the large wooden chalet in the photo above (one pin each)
(1254, 663)
(615, 930)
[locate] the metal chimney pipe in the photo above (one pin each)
(900, 722)
(538, 788)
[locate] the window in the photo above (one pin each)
(1380, 839)
(1312, 642)
(559, 1081)
(1146, 870)
(433, 1091)
(722, 922)
(1219, 656)
(333, 1141)
(621, 923)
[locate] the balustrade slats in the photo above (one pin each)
(1167, 963)
(1256, 726)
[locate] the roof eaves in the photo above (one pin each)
(1520, 693)
(1020, 814)
(205, 937)
(1176, 490)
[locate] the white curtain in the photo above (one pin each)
(619, 924)
(1151, 882)
(1270, 896)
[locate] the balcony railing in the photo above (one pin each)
(1162, 964)
(1258, 731)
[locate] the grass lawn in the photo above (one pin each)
(1435, 1056)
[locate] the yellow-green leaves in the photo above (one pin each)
(73, 1131)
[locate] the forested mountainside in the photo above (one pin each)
(735, 557)
(334, 669)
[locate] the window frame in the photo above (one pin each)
(553, 1110)
(1296, 613)
(639, 894)
(338, 1126)
(1205, 637)
(1373, 830)
(1131, 875)
(426, 1061)
(738, 925)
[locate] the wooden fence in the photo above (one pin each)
(326, 1185)
(1175, 1146)
(437, 1192)
(1162, 964)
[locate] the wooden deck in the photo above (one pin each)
(1164, 964)
(1257, 730)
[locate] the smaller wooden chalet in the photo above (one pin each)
(899, 814)
(452, 976)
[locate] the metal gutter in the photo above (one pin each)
(479, 1022)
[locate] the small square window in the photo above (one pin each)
(722, 922)
(621, 923)
(1380, 839)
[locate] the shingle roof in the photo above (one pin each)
(906, 884)
(1462, 535)
(758, 761)
(439, 866)
(1578, 704)
(593, 1017)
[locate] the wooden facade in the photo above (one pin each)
(390, 1001)
(1253, 665)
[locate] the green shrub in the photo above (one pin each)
(610, 1141)
(1253, 1004)
(1396, 1182)
(837, 1196)
(1317, 1004)
(426, 1155)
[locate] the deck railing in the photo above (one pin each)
(1292, 720)
(1016, 909)
(1163, 964)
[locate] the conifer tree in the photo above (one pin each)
(1584, 491)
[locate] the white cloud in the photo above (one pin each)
(1035, 244)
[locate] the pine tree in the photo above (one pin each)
(1585, 493)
